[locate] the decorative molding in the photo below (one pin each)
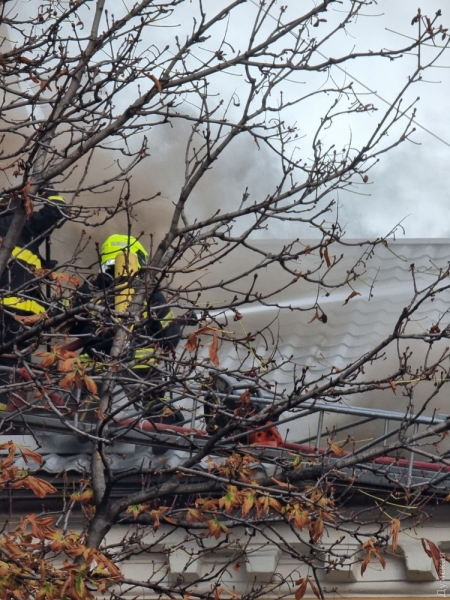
(263, 562)
(419, 566)
(184, 563)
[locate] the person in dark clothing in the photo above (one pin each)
(20, 293)
(18, 288)
(158, 332)
(121, 257)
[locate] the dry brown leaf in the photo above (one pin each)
(213, 356)
(67, 381)
(335, 449)
(381, 559)
(65, 354)
(38, 486)
(74, 280)
(314, 589)
(370, 547)
(316, 316)
(300, 592)
(249, 499)
(280, 483)
(67, 365)
(28, 205)
(352, 295)
(300, 516)
(155, 81)
(10, 458)
(30, 319)
(27, 202)
(317, 529)
(194, 514)
(395, 528)
(191, 343)
(60, 74)
(90, 384)
(216, 528)
(436, 555)
(244, 399)
(366, 561)
(48, 361)
(30, 454)
(45, 84)
(218, 592)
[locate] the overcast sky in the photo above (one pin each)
(410, 184)
(412, 181)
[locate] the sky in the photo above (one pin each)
(410, 184)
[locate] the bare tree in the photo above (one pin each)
(206, 117)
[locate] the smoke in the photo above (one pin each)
(397, 193)
(154, 187)
(142, 205)
(147, 216)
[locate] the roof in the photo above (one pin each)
(356, 322)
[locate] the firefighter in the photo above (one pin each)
(20, 293)
(121, 259)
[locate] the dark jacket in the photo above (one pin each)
(158, 326)
(25, 259)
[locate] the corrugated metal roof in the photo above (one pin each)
(385, 286)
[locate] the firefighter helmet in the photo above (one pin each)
(121, 244)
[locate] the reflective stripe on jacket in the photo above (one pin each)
(27, 256)
(16, 303)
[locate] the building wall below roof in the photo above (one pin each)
(271, 562)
